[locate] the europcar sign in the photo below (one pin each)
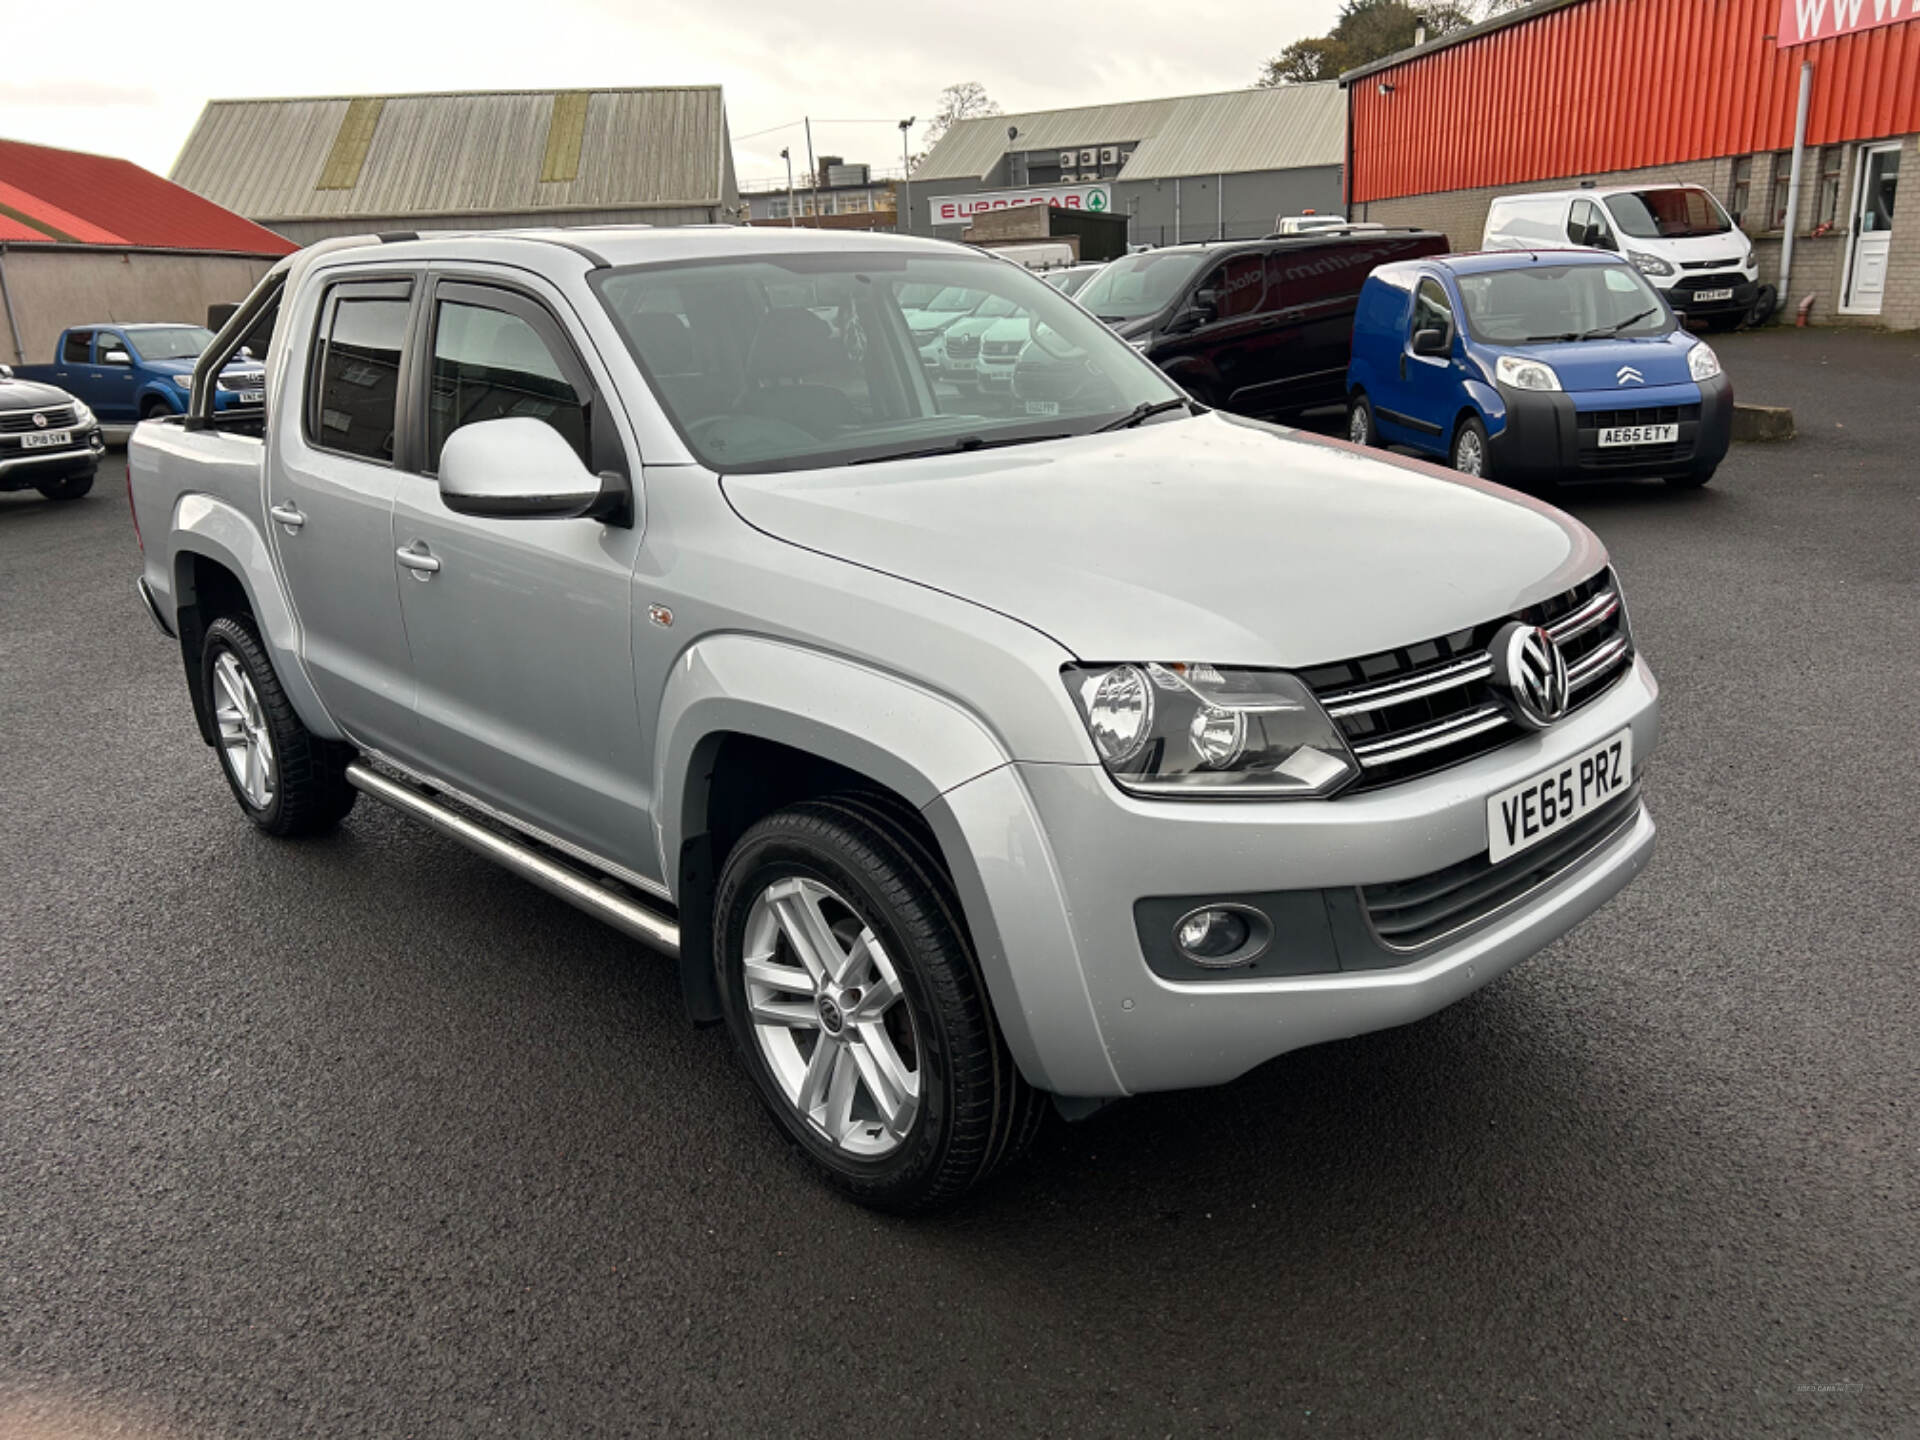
(1802, 21)
(959, 209)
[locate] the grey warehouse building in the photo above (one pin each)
(1196, 167)
(486, 160)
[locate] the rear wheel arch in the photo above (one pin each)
(204, 590)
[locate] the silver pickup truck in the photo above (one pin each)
(972, 752)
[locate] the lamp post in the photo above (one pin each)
(904, 220)
(784, 155)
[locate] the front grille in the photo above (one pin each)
(962, 347)
(1408, 914)
(1732, 262)
(1411, 711)
(1710, 282)
(1652, 415)
(1004, 348)
(18, 422)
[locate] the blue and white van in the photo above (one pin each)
(1530, 367)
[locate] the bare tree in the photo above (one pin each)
(959, 102)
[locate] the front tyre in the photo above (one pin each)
(858, 1007)
(288, 780)
(1470, 455)
(67, 487)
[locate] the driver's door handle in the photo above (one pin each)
(417, 559)
(288, 515)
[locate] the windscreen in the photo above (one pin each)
(1674, 213)
(796, 361)
(1561, 302)
(1136, 286)
(170, 342)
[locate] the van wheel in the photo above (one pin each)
(858, 1007)
(288, 780)
(1360, 421)
(68, 487)
(1470, 455)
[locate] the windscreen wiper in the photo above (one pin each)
(1145, 410)
(965, 444)
(1607, 332)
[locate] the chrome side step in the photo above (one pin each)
(576, 887)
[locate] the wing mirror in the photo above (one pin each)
(1594, 238)
(6, 372)
(521, 468)
(116, 357)
(1431, 342)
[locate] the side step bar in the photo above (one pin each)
(576, 887)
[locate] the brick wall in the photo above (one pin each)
(1818, 261)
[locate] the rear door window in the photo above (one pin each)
(79, 347)
(356, 378)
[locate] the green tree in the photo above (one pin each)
(1369, 30)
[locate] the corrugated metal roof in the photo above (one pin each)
(1285, 128)
(69, 197)
(457, 154)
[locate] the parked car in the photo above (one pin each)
(1678, 236)
(874, 715)
(49, 440)
(129, 373)
(1535, 366)
(960, 341)
(1258, 327)
(1073, 278)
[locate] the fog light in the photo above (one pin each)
(1213, 937)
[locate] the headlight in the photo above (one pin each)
(1141, 342)
(1524, 374)
(185, 382)
(1189, 731)
(82, 416)
(1747, 264)
(1649, 264)
(1702, 363)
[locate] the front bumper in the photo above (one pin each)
(1550, 435)
(1058, 858)
(1684, 296)
(23, 469)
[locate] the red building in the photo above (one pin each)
(87, 238)
(1701, 91)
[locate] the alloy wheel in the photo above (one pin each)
(1469, 458)
(244, 742)
(1357, 425)
(830, 1019)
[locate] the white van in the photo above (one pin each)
(1678, 236)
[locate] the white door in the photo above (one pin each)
(1878, 178)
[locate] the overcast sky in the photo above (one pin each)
(135, 77)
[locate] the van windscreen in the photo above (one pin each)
(1542, 303)
(1674, 213)
(1135, 286)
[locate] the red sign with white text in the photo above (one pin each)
(959, 209)
(1804, 21)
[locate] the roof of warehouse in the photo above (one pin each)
(1285, 128)
(1456, 37)
(70, 197)
(341, 156)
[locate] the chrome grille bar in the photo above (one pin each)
(1596, 611)
(1364, 698)
(1453, 729)
(1592, 667)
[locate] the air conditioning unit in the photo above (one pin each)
(1109, 154)
(1088, 157)
(1068, 157)
(1125, 156)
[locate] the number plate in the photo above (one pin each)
(1043, 407)
(253, 397)
(1707, 297)
(48, 440)
(1527, 813)
(1641, 435)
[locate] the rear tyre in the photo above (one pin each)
(1470, 455)
(155, 409)
(1360, 429)
(68, 487)
(287, 779)
(1692, 479)
(858, 1007)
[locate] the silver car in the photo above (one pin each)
(969, 763)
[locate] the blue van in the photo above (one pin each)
(1534, 366)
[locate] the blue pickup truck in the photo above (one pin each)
(129, 373)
